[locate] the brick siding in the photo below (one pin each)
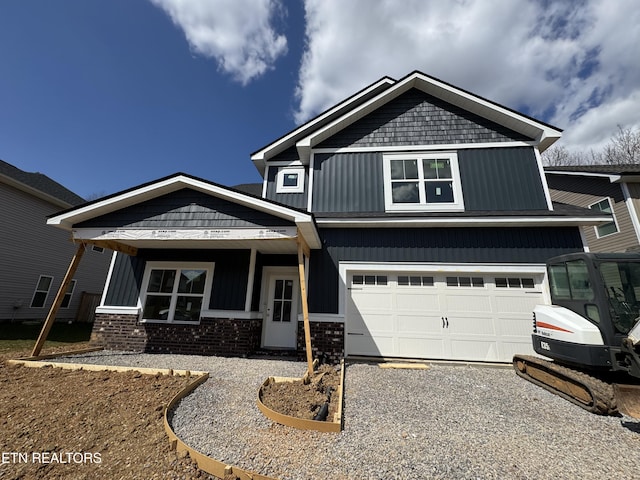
(213, 336)
(327, 341)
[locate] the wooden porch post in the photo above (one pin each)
(302, 250)
(58, 300)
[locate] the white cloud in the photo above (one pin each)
(239, 34)
(572, 64)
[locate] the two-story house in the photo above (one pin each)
(34, 257)
(611, 189)
(416, 213)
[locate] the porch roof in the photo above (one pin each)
(283, 237)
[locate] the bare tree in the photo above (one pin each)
(623, 148)
(559, 156)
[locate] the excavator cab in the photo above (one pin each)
(591, 330)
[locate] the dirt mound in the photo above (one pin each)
(301, 400)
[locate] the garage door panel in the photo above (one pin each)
(510, 326)
(419, 324)
(377, 323)
(367, 345)
(421, 347)
(373, 299)
(469, 302)
(474, 350)
(418, 300)
(475, 325)
(515, 303)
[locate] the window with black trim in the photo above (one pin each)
(465, 282)
(176, 293)
(415, 281)
(514, 282)
(426, 181)
(369, 280)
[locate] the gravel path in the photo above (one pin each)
(457, 422)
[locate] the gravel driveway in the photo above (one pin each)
(456, 422)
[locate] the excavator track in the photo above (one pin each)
(590, 393)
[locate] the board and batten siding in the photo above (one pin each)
(229, 287)
(492, 179)
(584, 191)
(430, 245)
(31, 248)
(295, 200)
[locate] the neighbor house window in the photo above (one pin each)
(290, 180)
(66, 301)
(42, 291)
(608, 228)
(428, 181)
(176, 292)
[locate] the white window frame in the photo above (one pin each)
(68, 295)
(456, 205)
(36, 291)
(613, 216)
(282, 173)
(208, 266)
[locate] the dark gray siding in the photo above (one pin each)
(295, 200)
(417, 118)
(268, 261)
(348, 182)
(501, 179)
(124, 286)
(185, 208)
(229, 277)
(443, 245)
(492, 179)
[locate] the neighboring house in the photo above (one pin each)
(611, 189)
(34, 256)
(422, 211)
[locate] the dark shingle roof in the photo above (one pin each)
(254, 189)
(625, 169)
(40, 182)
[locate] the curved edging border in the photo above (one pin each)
(302, 423)
(205, 463)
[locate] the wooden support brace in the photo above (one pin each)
(48, 323)
(305, 305)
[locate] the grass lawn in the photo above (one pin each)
(22, 336)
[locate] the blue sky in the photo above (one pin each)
(103, 95)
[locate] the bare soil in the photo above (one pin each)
(301, 400)
(58, 424)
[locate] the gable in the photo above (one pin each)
(419, 118)
(185, 208)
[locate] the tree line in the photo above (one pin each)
(622, 149)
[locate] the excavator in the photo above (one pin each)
(590, 334)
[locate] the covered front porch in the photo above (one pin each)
(198, 268)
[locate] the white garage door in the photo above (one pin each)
(454, 316)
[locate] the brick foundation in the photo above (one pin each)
(213, 336)
(327, 341)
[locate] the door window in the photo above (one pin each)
(282, 300)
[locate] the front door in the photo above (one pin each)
(282, 311)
